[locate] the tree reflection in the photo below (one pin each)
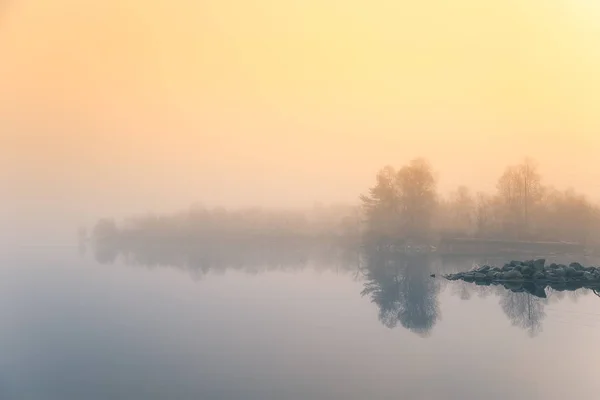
(218, 254)
(400, 286)
(523, 302)
(524, 310)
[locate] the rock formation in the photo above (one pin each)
(533, 276)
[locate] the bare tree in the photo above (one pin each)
(520, 191)
(462, 208)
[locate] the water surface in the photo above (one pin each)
(283, 325)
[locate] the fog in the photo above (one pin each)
(122, 107)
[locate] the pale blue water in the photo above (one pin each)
(72, 328)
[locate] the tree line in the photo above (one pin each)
(404, 204)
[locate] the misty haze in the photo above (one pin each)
(299, 199)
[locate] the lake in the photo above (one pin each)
(345, 325)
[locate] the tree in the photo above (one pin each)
(417, 191)
(520, 190)
(462, 209)
(402, 202)
(381, 205)
(483, 213)
(566, 215)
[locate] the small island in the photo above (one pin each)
(534, 276)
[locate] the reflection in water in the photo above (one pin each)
(524, 310)
(216, 255)
(400, 286)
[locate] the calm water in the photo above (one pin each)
(283, 326)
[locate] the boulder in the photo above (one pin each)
(570, 271)
(514, 263)
(485, 268)
(538, 275)
(479, 275)
(512, 275)
(538, 265)
(526, 271)
(576, 266)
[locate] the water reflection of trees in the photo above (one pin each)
(524, 310)
(218, 254)
(400, 286)
(523, 303)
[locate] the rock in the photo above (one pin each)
(432, 275)
(576, 266)
(551, 277)
(538, 265)
(570, 271)
(514, 286)
(522, 276)
(512, 275)
(538, 275)
(529, 263)
(514, 263)
(526, 271)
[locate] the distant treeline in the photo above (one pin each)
(405, 204)
(215, 232)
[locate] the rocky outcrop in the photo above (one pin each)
(533, 275)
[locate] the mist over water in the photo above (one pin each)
(302, 321)
(121, 108)
(258, 200)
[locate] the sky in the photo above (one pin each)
(125, 106)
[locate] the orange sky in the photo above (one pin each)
(128, 105)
